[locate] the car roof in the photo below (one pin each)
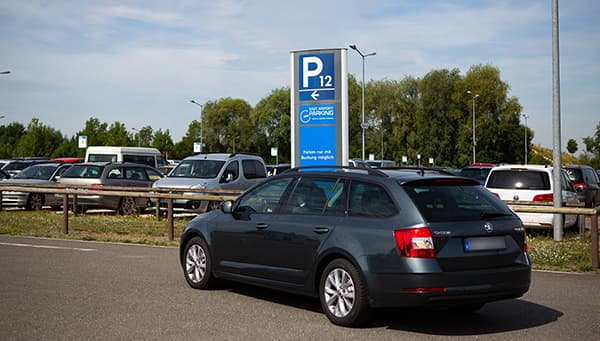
(220, 156)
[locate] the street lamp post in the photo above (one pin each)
(4, 72)
(363, 126)
(525, 117)
(201, 124)
(474, 142)
(138, 137)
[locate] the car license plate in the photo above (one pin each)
(484, 243)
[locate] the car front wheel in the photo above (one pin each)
(343, 294)
(197, 264)
(35, 201)
(127, 206)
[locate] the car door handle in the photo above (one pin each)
(261, 226)
(321, 229)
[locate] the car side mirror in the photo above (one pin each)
(227, 206)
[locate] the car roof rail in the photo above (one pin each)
(369, 171)
(243, 153)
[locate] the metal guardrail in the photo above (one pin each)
(221, 195)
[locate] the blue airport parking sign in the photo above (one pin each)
(316, 77)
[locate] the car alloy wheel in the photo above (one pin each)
(196, 264)
(35, 201)
(343, 294)
(127, 206)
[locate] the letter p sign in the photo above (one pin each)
(311, 67)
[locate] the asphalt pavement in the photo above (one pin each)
(72, 290)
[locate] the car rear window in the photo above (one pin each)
(440, 200)
(519, 179)
(475, 173)
(84, 171)
(574, 175)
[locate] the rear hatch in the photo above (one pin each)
(470, 227)
(520, 184)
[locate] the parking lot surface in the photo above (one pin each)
(59, 289)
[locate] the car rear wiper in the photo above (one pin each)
(487, 215)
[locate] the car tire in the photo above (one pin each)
(343, 294)
(35, 201)
(127, 206)
(197, 264)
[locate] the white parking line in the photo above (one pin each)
(48, 247)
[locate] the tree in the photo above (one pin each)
(143, 136)
(271, 125)
(39, 140)
(571, 146)
(9, 137)
(592, 146)
(117, 135)
(162, 141)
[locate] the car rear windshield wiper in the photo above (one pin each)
(487, 215)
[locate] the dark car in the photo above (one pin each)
(477, 171)
(38, 174)
(13, 167)
(101, 174)
(364, 238)
(586, 180)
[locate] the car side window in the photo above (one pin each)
(310, 195)
(115, 173)
(152, 174)
(370, 200)
(264, 199)
(231, 173)
(135, 173)
(253, 169)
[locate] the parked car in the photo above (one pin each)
(4, 175)
(477, 171)
(68, 159)
(110, 174)
(381, 163)
(13, 167)
(213, 171)
(277, 169)
(586, 179)
(531, 183)
(38, 174)
(358, 163)
(364, 238)
(147, 156)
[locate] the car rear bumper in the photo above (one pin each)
(448, 288)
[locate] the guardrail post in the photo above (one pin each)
(0, 200)
(75, 205)
(157, 208)
(581, 223)
(65, 228)
(170, 218)
(594, 231)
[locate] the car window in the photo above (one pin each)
(310, 195)
(205, 169)
(115, 173)
(574, 175)
(253, 169)
(142, 159)
(233, 169)
(102, 158)
(522, 179)
(265, 198)
(152, 174)
(370, 200)
(85, 171)
(135, 173)
(439, 201)
(38, 172)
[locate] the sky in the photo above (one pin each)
(141, 62)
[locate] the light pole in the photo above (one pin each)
(137, 137)
(474, 142)
(363, 126)
(201, 124)
(525, 117)
(4, 72)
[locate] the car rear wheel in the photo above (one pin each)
(197, 264)
(127, 206)
(35, 201)
(343, 294)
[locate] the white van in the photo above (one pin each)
(143, 155)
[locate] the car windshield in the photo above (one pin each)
(40, 172)
(205, 169)
(83, 171)
(440, 201)
(519, 179)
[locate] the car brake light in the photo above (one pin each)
(583, 185)
(415, 242)
(543, 197)
(496, 194)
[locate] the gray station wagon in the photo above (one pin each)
(364, 238)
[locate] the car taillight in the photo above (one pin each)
(415, 242)
(496, 194)
(583, 185)
(544, 197)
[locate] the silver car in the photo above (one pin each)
(213, 171)
(38, 174)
